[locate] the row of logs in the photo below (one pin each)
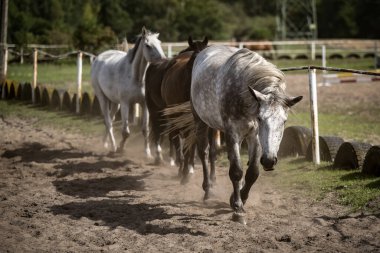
(344, 155)
(57, 99)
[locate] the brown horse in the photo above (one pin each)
(168, 83)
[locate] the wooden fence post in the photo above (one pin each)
(79, 81)
(4, 68)
(314, 115)
(170, 53)
(34, 84)
(21, 55)
(324, 65)
(313, 50)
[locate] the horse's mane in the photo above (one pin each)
(259, 74)
(132, 52)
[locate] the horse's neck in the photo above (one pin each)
(139, 65)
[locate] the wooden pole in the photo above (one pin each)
(376, 57)
(3, 40)
(79, 81)
(21, 55)
(34, 84)
(313, 50)
(170, 53)
(4, 69)
(314, 115)
(324, 64)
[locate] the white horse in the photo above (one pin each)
(118, 81)
(240, 93)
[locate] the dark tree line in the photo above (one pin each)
(95, 24)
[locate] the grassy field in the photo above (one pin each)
(351, 188)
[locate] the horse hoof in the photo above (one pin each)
(157, 161)
(232, 201)
(185, 179)
(239, 217)
(172, 162)
(191, 169)
(206, 196)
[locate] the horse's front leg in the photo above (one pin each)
(125, 132)
(236, 174)
(254, 151)
(145, 130)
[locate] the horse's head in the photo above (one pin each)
(152, 49)
(273, 113)
(195, 46)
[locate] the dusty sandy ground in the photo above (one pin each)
(62, 192)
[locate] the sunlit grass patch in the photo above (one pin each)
(352, 187)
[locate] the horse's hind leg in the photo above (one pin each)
(112, 112)
(212, 158)
(172, 152)
(125, 132)
(104, 106)
(252, 173)
(176, 140)
(203, 153)
(190, 158)
(145, 129)
(188, 165)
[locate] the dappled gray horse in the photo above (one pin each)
(118, 81)
(243, 95)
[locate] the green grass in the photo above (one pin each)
(57, 75)
(351, 187)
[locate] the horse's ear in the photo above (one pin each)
(205, 41)
(143, 31)
(190, 41)
(260, 97)
(292, 101)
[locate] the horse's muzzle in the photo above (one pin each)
(268, 162)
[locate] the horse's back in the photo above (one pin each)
(204, 93)
(108, 74)
(175, 87)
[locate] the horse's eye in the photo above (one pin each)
(148, 46)
(258, 119)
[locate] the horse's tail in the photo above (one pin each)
(180, 119)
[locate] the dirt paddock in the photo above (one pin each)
(61, 192)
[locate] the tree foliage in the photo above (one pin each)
(96, 24)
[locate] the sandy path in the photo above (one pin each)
(60, 192)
